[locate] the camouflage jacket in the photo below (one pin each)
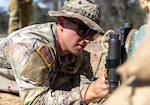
(31, 57)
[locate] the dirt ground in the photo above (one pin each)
(95, 50)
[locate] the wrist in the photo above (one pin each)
(87, 94)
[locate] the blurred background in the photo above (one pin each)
(114, 13)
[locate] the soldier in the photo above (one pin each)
(20, 12)
(48, 62)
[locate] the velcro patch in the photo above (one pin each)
(43, 51)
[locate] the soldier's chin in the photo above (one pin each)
(78, 52)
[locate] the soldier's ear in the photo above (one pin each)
(60, 21)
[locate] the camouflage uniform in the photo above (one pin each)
(20, 12)
(30, 56)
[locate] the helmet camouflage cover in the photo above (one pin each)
(84, 10)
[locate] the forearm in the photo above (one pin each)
(57, 97)
(87, 95)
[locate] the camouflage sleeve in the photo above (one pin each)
(44, 95)
(32, 77)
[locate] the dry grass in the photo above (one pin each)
(96, 51)
(9, 99)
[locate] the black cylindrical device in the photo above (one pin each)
(113, 61)
(126, 28)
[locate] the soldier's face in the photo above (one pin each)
(69, 40)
